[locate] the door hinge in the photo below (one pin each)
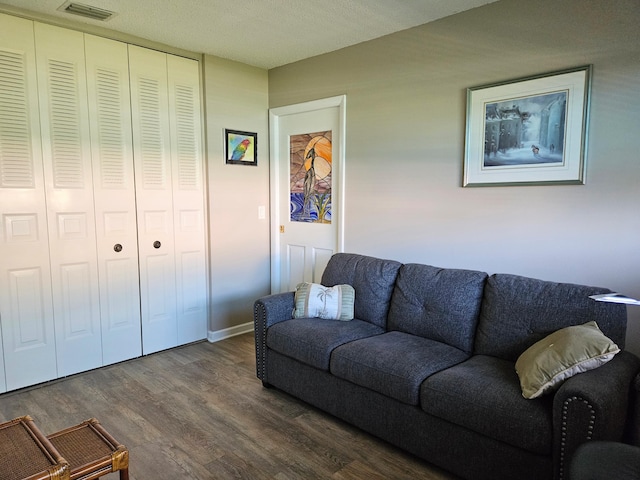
(281, 228)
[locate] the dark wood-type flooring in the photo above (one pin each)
(199, 412)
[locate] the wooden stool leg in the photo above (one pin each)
(124, 474)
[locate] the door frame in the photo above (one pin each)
(337, 192)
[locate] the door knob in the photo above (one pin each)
(117, 247)
(156, 244)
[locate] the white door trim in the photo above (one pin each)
(274, 153)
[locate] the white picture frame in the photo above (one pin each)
(529, 131)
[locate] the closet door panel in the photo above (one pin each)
(154, 197)
(188, 198)
(69, 194)
(107, 67)
(27, 349)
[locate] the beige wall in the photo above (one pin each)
(406, 97)
(236, 97)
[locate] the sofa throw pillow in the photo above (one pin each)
(562, 354)
(313, 300)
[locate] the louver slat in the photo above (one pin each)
(187, 138)
(16, 159)
(112, 153)
(66, 141)
(151, 140)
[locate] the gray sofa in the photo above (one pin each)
(427, 364)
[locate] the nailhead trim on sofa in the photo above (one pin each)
(260, 320)
(592, 421)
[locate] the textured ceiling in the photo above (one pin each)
(263, 33)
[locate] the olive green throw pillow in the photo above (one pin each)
(561, 355)
(317, 301)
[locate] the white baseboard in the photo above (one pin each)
(229, 332)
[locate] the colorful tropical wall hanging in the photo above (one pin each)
(241, 148)
(310, 177)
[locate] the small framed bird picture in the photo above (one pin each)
(241, 148)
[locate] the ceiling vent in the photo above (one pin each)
(87, 11)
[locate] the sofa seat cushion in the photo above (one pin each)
(393, 364)
(483, 394)
(311, 340)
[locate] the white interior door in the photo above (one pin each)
(188, 199)
(154, 197)
(307, 142)
(107, 63)
(26, 310)
(66, 146)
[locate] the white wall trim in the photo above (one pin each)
(229, 332)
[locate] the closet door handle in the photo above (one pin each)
(117, 247)
(156, 244)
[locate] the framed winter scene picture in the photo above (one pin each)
(528, 131)
(241, 148)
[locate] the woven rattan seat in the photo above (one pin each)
(26, 454)
(91, 451)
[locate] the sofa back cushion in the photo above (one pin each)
(372, 278)
(519, 311)
(441, 304)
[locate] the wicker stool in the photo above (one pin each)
(25, 453)
(91, 451)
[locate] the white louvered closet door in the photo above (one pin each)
(154, 198)
(66, 146)
(26, 312)
(188, 198)
(107, 65)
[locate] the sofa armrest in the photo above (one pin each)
(592, 406)
(268, 311)
(633, 424)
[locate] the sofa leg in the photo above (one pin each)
(266, 384)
